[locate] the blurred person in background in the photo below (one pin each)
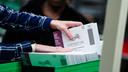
(55, 9)
(28, 22)
(92, 9)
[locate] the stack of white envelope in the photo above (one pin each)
(85, 46)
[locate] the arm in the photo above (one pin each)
(12, 51)
(14, 20)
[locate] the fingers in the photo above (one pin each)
(74, 24)
(68, 33)
(60, 49)
(64, 25)
(71, 24)
(44, 48)
(50, 49)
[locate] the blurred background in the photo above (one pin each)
(92, 10)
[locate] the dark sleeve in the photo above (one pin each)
(13, 51)
(14, 20)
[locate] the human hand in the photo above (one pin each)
(44, 48)
(64, 25)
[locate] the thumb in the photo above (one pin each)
(74, 24)
(68, 33)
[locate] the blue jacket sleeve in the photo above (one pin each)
(15, 20)
(10, 52)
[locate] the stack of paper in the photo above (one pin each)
(85, 45)
(86, 38)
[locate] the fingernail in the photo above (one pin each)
(71, 38)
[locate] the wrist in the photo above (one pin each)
(33, 47)
(53, 24)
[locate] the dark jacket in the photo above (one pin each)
(15, 21)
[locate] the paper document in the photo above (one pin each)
(85, 45)
(85, 38)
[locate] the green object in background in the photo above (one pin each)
(10, 67)
(14, 4)
(2, 31)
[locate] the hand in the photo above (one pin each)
(64, 25)
(44, 48)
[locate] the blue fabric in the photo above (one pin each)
(9, 52)
(14, 20)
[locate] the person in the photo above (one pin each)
(55, 9)
(93, 9)
(22, 21)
